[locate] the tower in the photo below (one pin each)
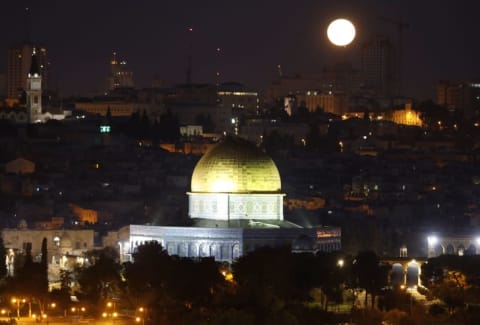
(19, 63)
(120, 76)
(34, 91)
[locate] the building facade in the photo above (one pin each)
(239, 98)
(461, 96)
(378, 67)
(66, 248)
(327, 102)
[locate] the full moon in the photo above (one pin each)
(341, 32)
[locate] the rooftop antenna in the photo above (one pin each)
(280, 73)
(217, 73)
(189, 58)
(27, 24)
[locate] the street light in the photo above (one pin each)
(78, 310)
(110, 304)
(141, 318)
(113, 314)
(17, 302)
(432, 240)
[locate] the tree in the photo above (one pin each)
(43, 272)
(62, 296)
(270, 277)
(153, 281)
(433, 115)
(169, 127)
(332, 277)
(371, 276)
(44, 258)
(206, 122)
(3, 254)
(29, 281)
(108, 116)
(101, 280)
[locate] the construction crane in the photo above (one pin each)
(401, 25)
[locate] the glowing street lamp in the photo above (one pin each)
(78, 310)
(432, 240)
(341, 32)
(112, 304)
(141, 318)
(17, 302)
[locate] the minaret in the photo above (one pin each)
(34, 91)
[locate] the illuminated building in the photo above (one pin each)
(116, 107)
(66, 248)
(462, 96)
(329, 102)
(236, 206)
(20, 166)
(83, 214)
(120, 76)
(35, 113)
(19, 63)
(453, 244)
(236, 96)
(236, 181)
(406, 116)
(34, 91)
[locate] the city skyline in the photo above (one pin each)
(253, 39)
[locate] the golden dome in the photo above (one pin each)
(235, 166)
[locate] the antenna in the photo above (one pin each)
(280, 73)
(217, 73)
(27, 24)
(189, 58)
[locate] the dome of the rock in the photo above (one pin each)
(235, 166)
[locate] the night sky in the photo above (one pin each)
(254, 36)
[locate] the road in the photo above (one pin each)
(59, 321)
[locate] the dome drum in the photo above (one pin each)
(225, 206)
(235, 180)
